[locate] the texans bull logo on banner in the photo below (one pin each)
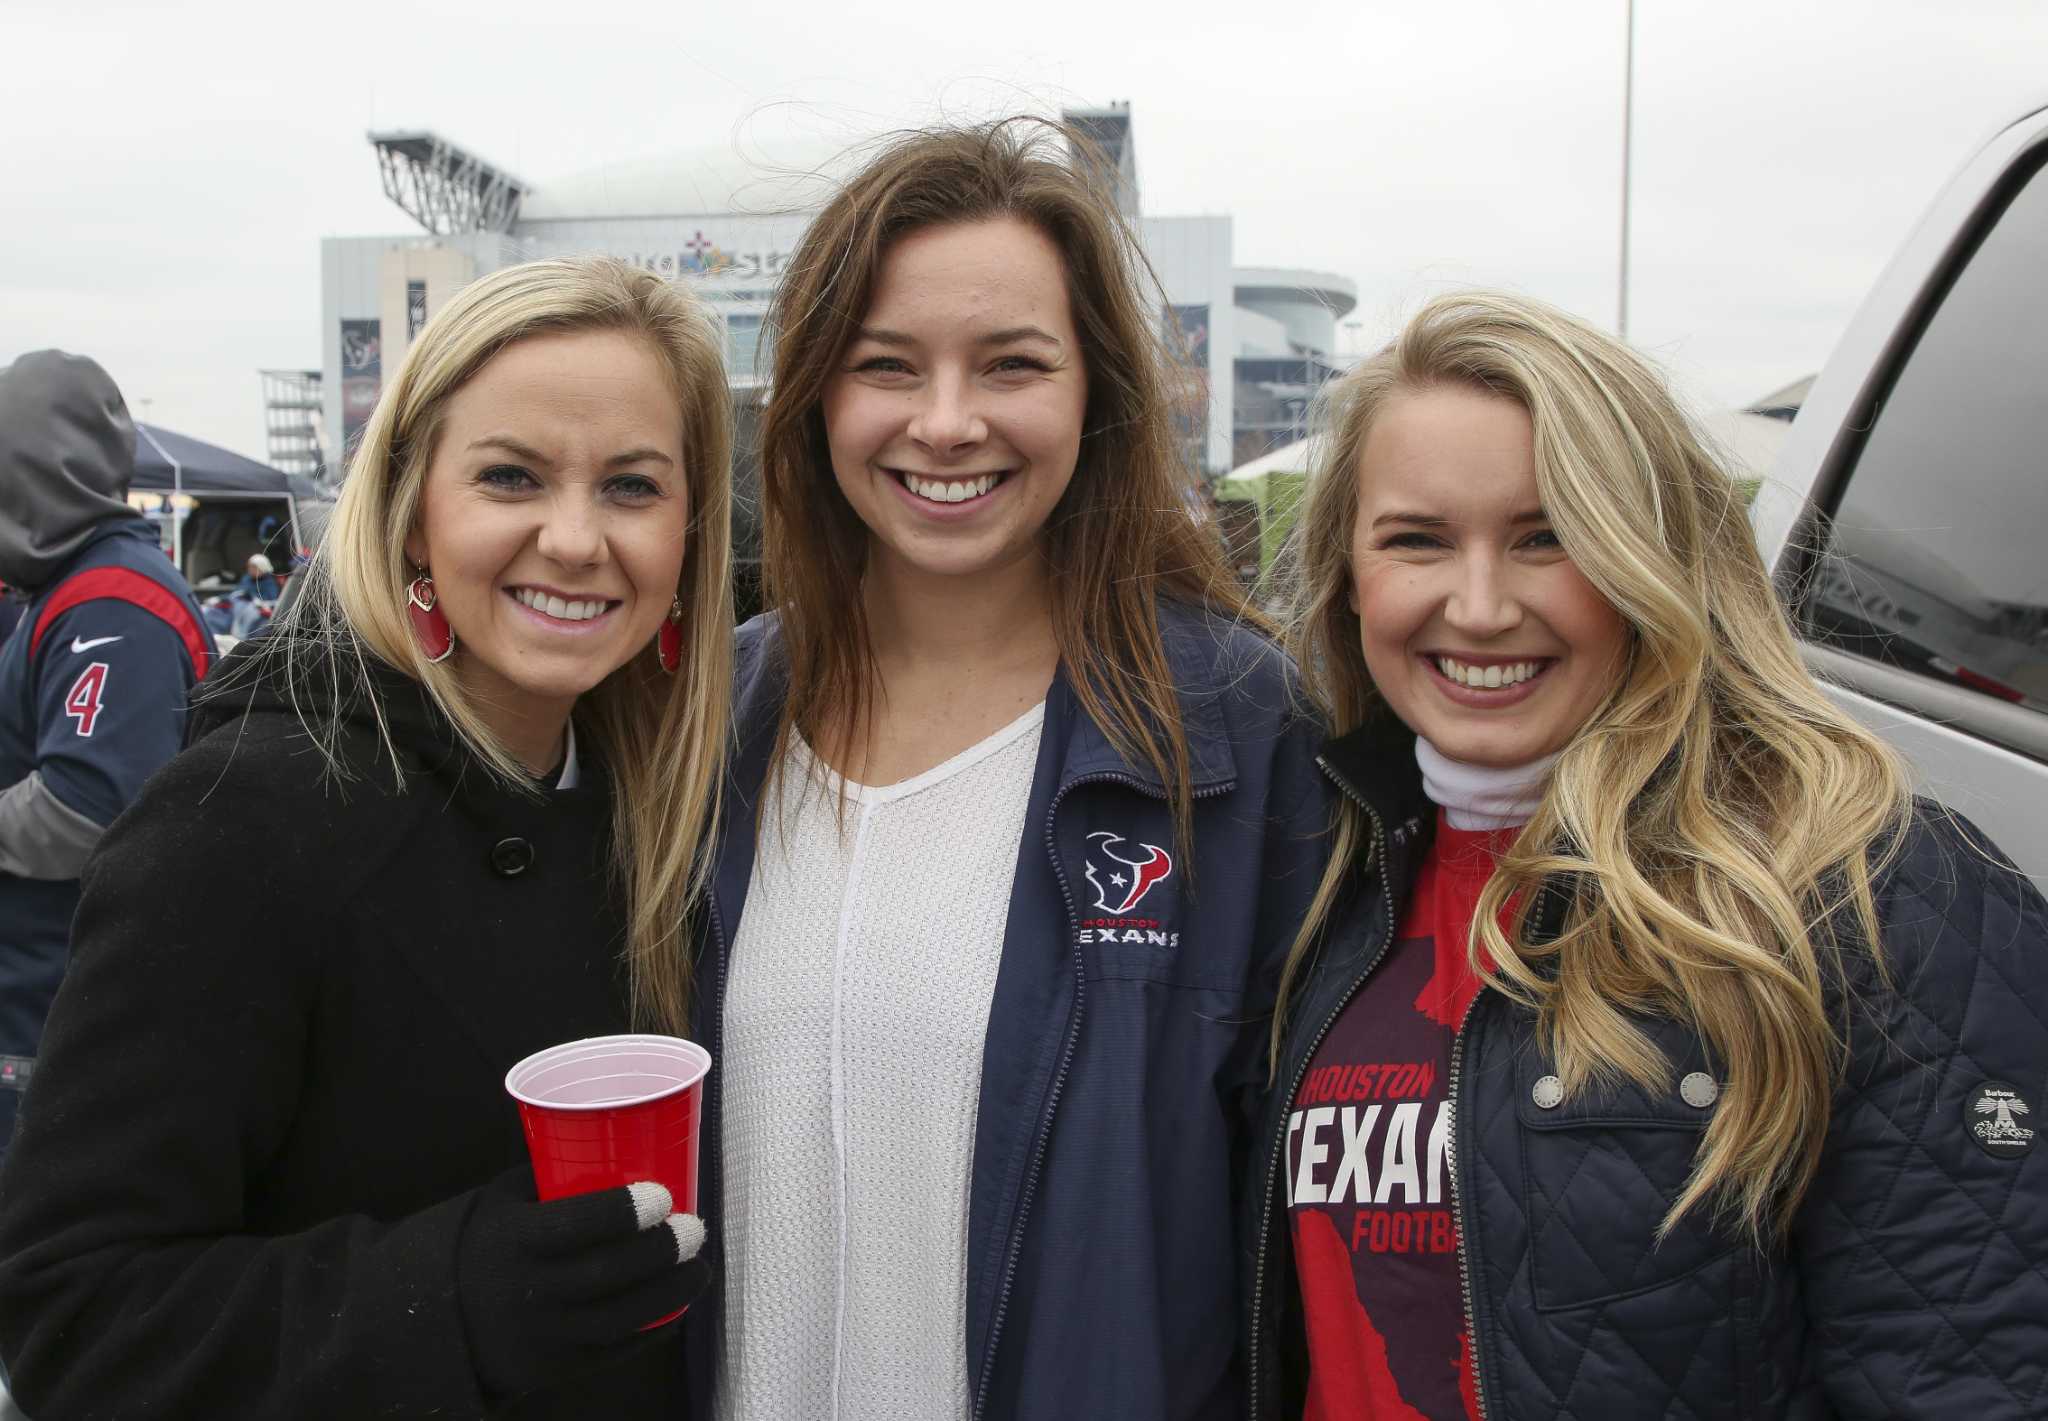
(1120, 880)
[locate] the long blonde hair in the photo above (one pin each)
(662, 738)
(1717, 821)
(1120, 537)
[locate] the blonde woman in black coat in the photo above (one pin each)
(267, 1166)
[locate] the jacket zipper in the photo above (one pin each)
(1378, 860)
(1458, 1201)
(711, 1132)
(1059, 1080)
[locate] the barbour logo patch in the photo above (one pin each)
(1993, 1115)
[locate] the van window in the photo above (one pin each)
(1935, 560)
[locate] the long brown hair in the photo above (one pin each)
(663, 737)
(1719, 820)
(1120, 538)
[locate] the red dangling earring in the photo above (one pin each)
(429, 625)
(668, 642)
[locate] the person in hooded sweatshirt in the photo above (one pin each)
(93, 690)
(269, 1167)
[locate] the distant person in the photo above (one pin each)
(257, 590)
(93, 690)
(259, 580)
(274, 540)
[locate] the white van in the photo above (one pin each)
(1906, 517)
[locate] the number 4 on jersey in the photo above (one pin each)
(82, 702)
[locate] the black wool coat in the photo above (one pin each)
(272, 1084)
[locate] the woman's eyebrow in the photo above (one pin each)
(1015, 333)
(510, 446)
(1433, 520)
(1420, 520)
(880, 335)
(636, 456)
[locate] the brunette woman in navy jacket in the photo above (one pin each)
(1021, 821)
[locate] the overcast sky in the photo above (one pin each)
(167, 171)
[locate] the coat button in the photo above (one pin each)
(1548, 1093)
(511, 857)
(1699, 1090)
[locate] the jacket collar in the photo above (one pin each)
(1375, 765)
(1193, 650)
(347, 687)
(1193, 645)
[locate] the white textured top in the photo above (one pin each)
(855, 1013)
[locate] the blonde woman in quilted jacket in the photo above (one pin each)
(1654, 1053)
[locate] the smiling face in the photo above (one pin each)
(1476, 627)
(552, 519)
(954, 421)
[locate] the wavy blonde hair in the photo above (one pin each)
(1120, 538)
(662, 737)
(1717, 822)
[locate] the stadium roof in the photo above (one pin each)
(449, 190)
(446, 189)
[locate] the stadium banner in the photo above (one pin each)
(362, 376)
(415, 309)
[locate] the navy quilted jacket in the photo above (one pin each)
(1914, 1282)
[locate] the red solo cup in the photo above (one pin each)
(607, 1111)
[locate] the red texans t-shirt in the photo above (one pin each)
(1368, 1178)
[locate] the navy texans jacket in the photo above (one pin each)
(1126, 1043)
(1914, 1280)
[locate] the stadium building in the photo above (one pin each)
(1253, 342)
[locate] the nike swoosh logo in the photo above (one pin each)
(78, 645)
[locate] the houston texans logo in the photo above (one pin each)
(1123, 882)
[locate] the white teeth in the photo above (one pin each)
(1486, 677)
(558, 608)
(949, 490)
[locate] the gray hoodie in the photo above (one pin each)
(67, 454)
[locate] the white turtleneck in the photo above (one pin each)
(1482, 796)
